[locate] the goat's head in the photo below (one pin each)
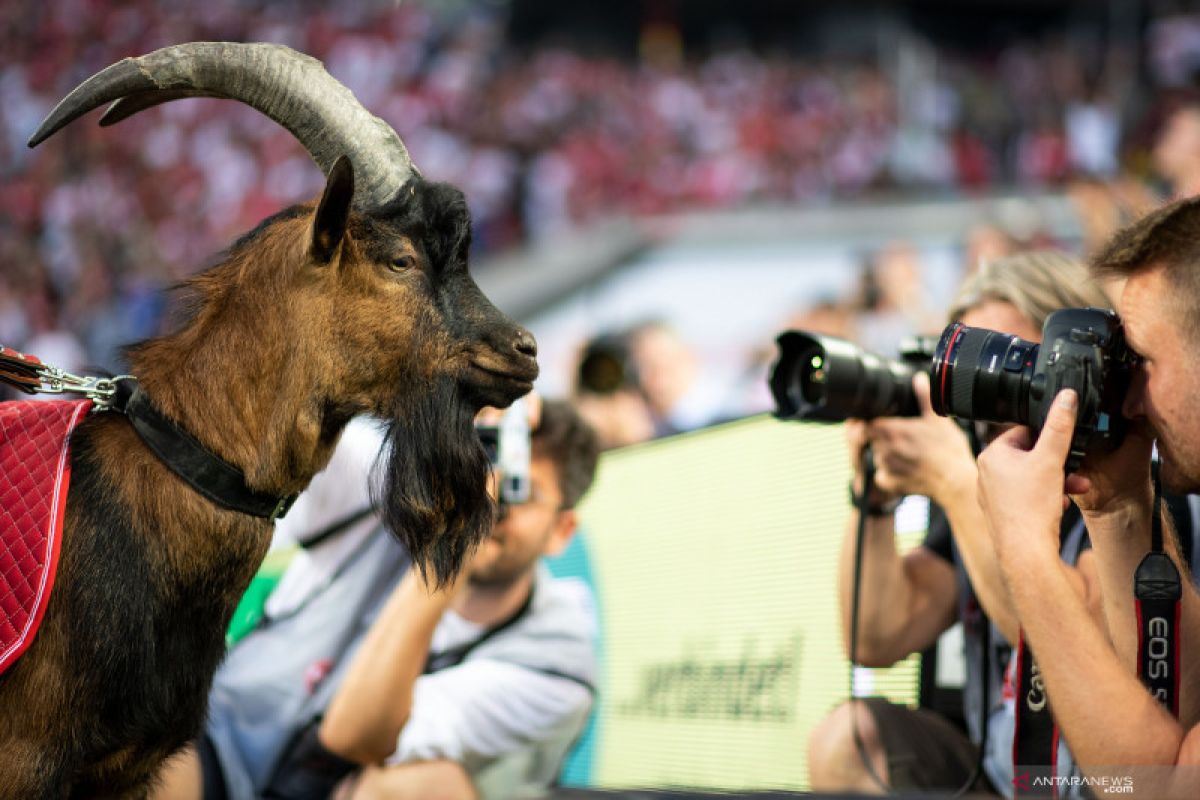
(372, 279)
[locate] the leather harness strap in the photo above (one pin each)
(20, 371)
(209, 474)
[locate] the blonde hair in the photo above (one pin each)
(1036, 283)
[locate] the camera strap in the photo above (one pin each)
(1157, 593)
(864, 511)
(868, 468)
(1157, 590)
(1035, 736)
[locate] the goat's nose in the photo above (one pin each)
(525, 343)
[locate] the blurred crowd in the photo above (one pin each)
(94, 223)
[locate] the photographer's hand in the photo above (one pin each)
(1021, 492)
(858, 439)
(1118, 480)
(931, 455)
(372, 705)
(1108, 717)
(906, 601)
(490, 415)
(927, 455)
(1114, 493)
(1022, 486)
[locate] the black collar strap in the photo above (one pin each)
(211, 476)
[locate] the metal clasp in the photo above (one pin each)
(283, 506)
(99, 390)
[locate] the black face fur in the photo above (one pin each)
(434, 492)
(434, 495)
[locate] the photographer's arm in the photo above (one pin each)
(421, 780)
(905, 602)
(1117, 502)
(1106, 714)
(930, 455)
(1108, 717)
(373, 703)
(978, 552)
(958, 496)
(1120, 525)
(1119, 543)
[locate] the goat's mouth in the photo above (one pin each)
(498, 383)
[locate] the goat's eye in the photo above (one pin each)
(403, 263)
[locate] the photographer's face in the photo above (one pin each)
(525, 533)
(1166, 384)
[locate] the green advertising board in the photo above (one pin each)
(714, 559)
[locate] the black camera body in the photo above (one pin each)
(988, 376)
(820, 378)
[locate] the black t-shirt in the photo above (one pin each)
(939, 539)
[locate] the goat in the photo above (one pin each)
(359, 302)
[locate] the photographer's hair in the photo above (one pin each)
(568, 441)
(1036, 283)
(1170, 237)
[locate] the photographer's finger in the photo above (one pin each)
(883, 430)
(887, 484)
(533, 404)
(856, 436)
(489, 415)
(1055, 437)
(920, 384)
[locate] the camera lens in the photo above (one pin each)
(823, 378)
(982, 375)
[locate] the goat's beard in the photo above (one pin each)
(434, 496)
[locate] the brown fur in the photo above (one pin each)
(291, 335)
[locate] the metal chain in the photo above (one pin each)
(28, 374)
(99, 390)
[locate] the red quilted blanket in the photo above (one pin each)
(35, 472)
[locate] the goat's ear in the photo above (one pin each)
(329, 225)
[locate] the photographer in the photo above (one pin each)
(908, 601)
(1108, 717)
(477, 688)
(608, 391)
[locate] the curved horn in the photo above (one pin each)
(289, 87)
